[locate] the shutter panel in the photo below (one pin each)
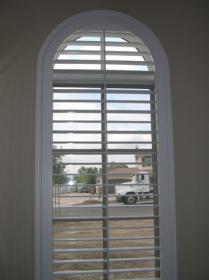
(106, 220)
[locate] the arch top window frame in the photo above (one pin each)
(108, 20)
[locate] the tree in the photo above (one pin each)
(87, 175)
(59, 176)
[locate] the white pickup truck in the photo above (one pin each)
(137, 189)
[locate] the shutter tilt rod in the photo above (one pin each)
(105, 210)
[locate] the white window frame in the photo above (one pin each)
(43, 178)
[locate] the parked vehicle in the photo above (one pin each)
(77, 187)
(82, 188)
(137, 189)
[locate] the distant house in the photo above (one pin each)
(143, 159)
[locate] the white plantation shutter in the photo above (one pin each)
(105, 119)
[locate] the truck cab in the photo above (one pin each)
(136, 189)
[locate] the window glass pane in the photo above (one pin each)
(79, 57)
(83, 48)
(124, 58)
(78, 66)
(104, 164)
(126, 67)
(114, 39)
(89, 38)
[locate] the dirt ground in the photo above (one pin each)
(78, 198)
(118, 229)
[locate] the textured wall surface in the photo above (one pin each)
(183, 30)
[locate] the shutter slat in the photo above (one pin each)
(114, 218)
(98, 61)
(101, 260)
(112, 249)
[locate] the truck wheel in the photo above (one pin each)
(130, 199)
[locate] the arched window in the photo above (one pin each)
(105, 165)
